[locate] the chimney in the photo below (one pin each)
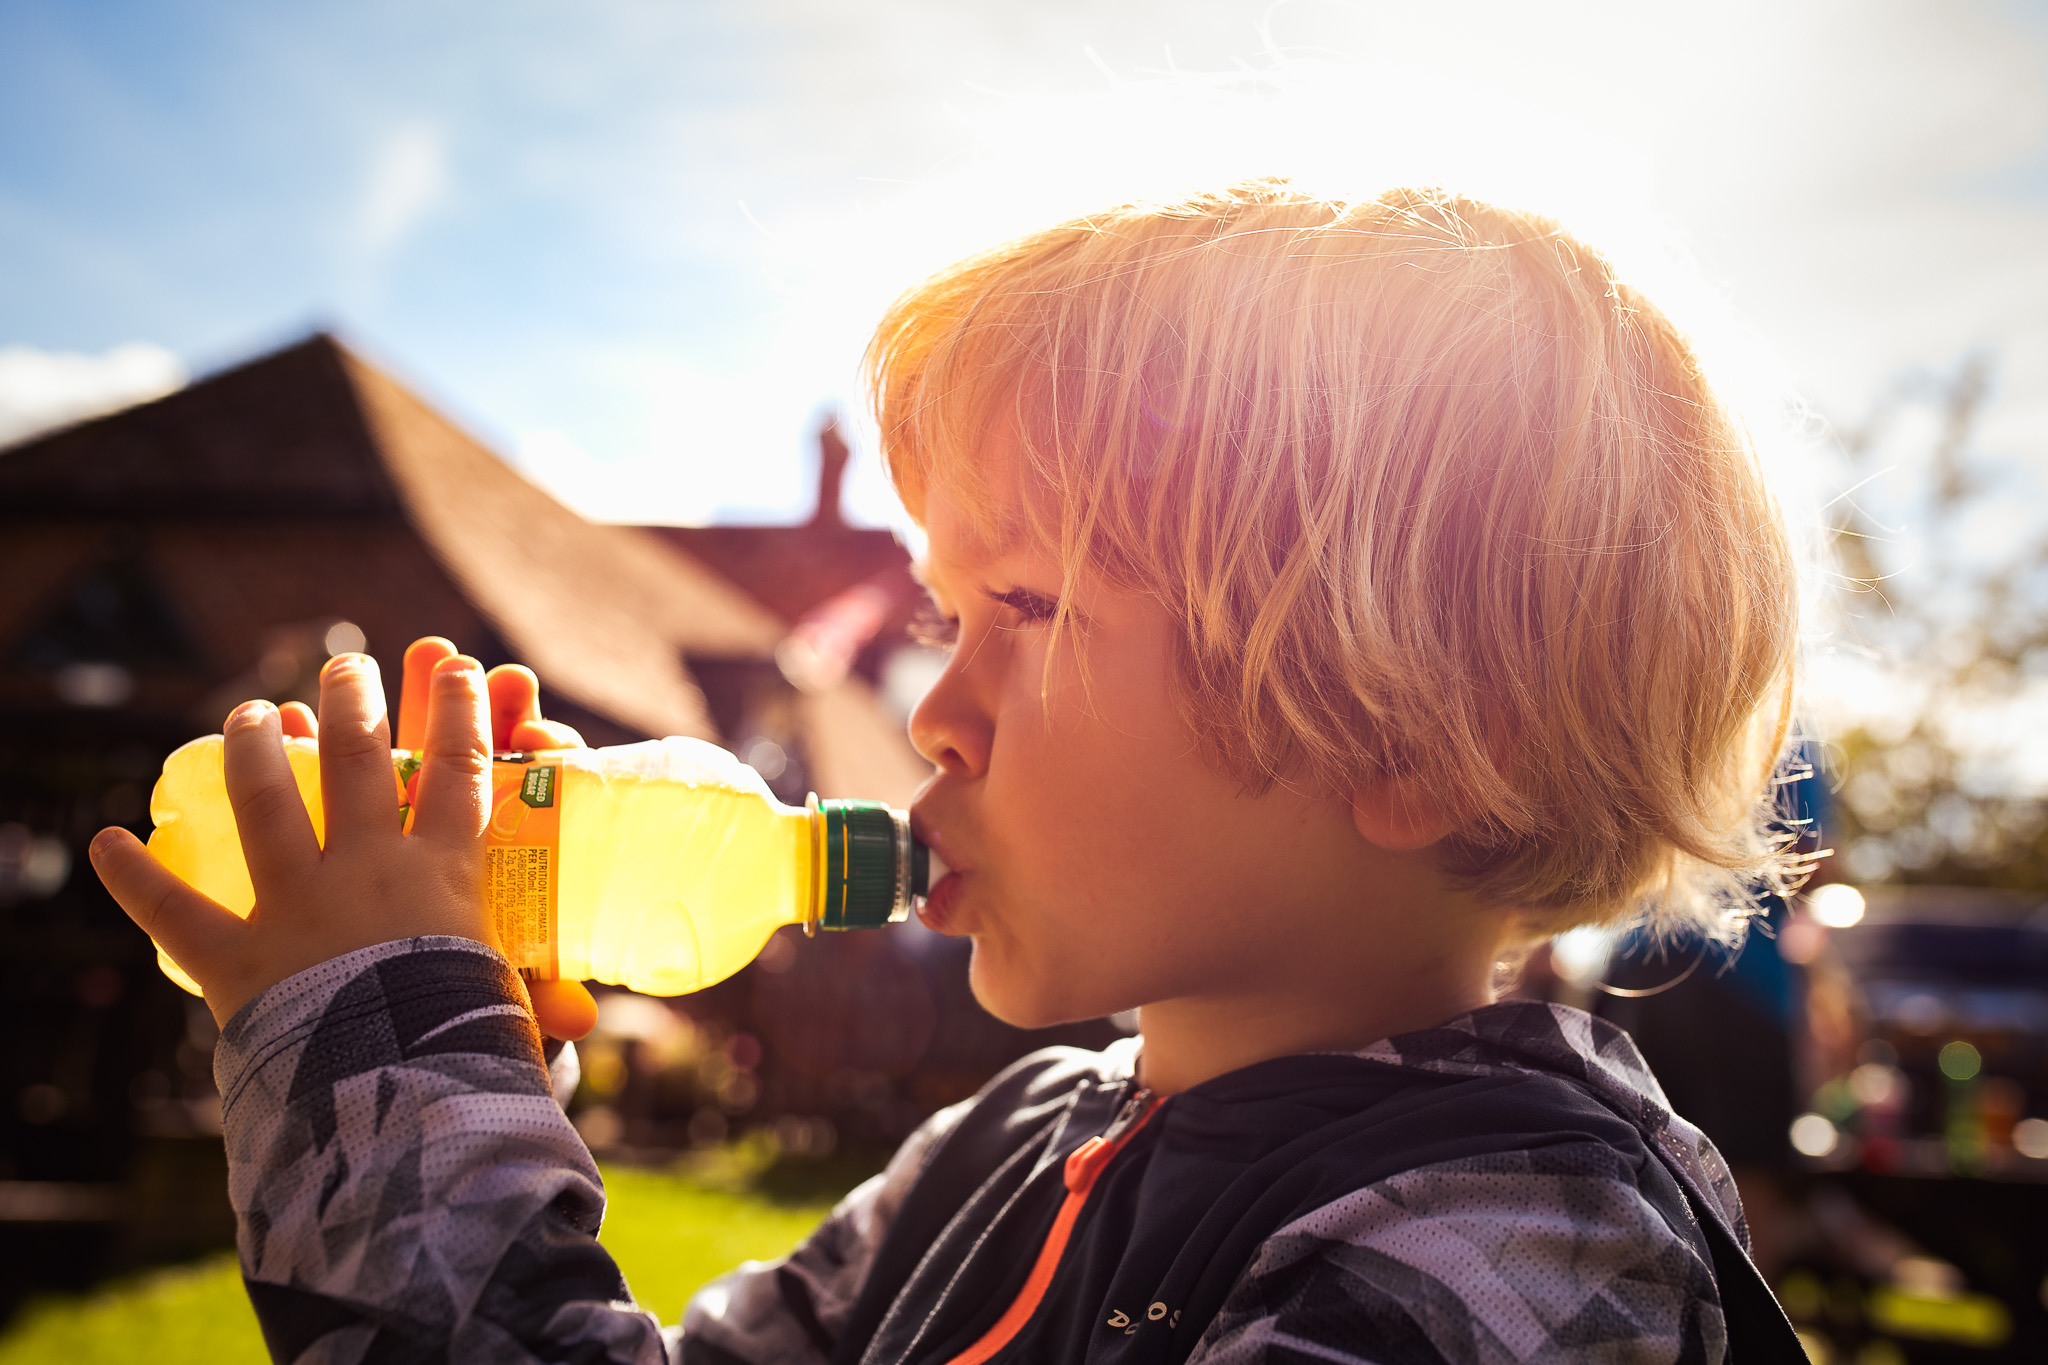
(832, 457)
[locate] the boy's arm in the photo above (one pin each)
(1553, 1254)
(404, 1184)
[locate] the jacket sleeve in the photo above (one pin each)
(1551, 1254)
(404, 1183)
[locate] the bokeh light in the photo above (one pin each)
(1960, 1061)
(2030, 1138)
(1813, 1136)
(1838, 906)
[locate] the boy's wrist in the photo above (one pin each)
(444, 977)
(348, 964)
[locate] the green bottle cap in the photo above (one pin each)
(870, 865)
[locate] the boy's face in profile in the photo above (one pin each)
(1099, 862)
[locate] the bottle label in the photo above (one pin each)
(522, 854)
(522, 862)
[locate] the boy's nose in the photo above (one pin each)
(949, 728)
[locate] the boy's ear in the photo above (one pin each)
(1396, 815)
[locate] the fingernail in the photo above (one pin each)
(458, 663)
(249, 713)
(103, 842)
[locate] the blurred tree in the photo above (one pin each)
(1950, 612)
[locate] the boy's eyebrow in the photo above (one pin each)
(921, 571)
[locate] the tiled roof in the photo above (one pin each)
(602, 613)
(309, 484)
(790, 569)
(242, 515)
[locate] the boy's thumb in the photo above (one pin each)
(196, 930)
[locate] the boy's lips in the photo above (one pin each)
(940, 902)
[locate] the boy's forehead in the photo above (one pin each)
(958, 543)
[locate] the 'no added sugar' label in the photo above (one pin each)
(522, 855)
(522, 866)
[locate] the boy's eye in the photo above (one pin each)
(1032, 608)
(934, 629)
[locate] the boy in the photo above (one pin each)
(1347, 595)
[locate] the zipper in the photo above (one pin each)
(1085, 1162)
(1084, 1166)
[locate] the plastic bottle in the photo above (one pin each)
(661, 866)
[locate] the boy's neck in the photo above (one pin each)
(1356, 1004)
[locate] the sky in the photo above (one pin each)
(636, 245)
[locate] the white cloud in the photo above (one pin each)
(408, 180)
(44, 389)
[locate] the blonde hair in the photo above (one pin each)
(1435, 497)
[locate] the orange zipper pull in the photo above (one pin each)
(1085, 1162)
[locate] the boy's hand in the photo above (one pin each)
(516, 723)
(563, 1009)
(372, 883)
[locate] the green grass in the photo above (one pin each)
(670, 1235)
(179, 1317)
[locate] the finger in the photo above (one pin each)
(515, 701)
(421, 659)
(298, 720)
(202, 936)
(455, 777)
(277, 835)
(545, 734)
(355, 752)
(563, 1009)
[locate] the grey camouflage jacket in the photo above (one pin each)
(408, 1189)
